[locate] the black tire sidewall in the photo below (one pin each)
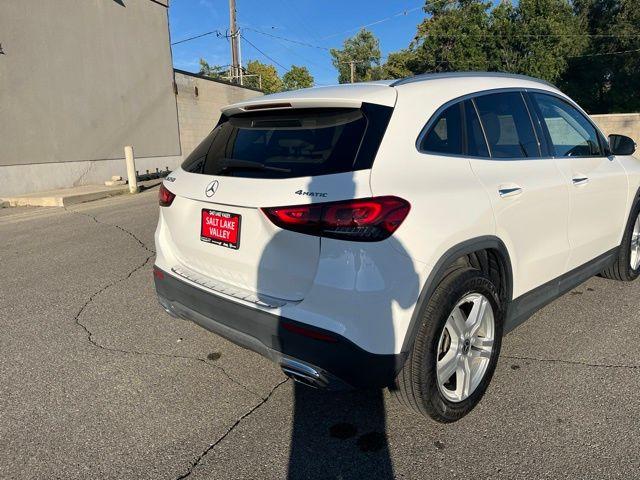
(449, 292)
(625, 253)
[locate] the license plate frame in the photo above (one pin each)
(219, 222)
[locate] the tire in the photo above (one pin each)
(417, 385)
(622, 269)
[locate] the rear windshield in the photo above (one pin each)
(291, 143)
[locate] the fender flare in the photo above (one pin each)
(440, 269)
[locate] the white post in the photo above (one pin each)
(131, 169)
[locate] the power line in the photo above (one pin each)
(304, 44)
(494, 34)
(267, 56)
(399, 14)
(305, 25)
(606, 53)
(197, 36)
(309, 62)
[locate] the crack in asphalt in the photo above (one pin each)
(91, 340)
(206, 451)
(131, 234)
(95, 294)
(571, 362)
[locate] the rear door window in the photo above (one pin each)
(291, 143)
(507, 125)
(572, 135)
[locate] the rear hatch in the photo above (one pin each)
(264, 156)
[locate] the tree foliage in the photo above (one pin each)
(364, 50)
(297, 77)
(602, 80)
(591, 48)
(535, 37)
(453, 37)
(267, 74)
(213, 71)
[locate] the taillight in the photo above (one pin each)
(362, 220)
(165, 197)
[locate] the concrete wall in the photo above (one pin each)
(621, 123)
(198, 114)
(79, 80)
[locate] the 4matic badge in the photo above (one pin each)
(311, 194)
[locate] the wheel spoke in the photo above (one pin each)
(482, 342)
(476, 316)
(479, 353)
(457, 322)
(447, 367)
(463, 378)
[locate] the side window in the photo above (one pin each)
(507, 125)
(476, 144)
(572, 135)
(445, 135)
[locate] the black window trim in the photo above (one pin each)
(545, 147)
(465, 132)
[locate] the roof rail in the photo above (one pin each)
(435, 76)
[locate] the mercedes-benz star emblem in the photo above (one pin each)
(211, 188)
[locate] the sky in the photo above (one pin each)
(320, 23)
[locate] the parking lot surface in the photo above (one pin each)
(96, 381)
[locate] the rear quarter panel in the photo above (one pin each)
(448, 203)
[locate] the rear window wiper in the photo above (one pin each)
(231, 163)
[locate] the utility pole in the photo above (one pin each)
(352, 65)
(235, 43)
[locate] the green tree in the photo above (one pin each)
(535, 37)
(601, 79)
(452, 37)
(265, 76)
(504, 44)
(297, 77)
(546, 36)
(363, 49)
(399, 64)
(215, 71)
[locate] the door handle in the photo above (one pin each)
(577, 181)
(511, 191)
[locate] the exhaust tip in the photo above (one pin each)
(303, 373)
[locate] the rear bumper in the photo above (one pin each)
(333, 361)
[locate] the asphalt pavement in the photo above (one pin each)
(96, 381)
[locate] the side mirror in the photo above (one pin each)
(621, 145)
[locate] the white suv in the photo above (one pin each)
(388, 234)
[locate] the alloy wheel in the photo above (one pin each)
(466, 345)
(634, 257)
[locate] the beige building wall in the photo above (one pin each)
(621, 123)
(199, 110)
(79, 80)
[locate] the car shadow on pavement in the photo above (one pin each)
(339, 435)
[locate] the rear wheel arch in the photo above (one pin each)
(487, 253)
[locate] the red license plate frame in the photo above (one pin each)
(220, 228)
